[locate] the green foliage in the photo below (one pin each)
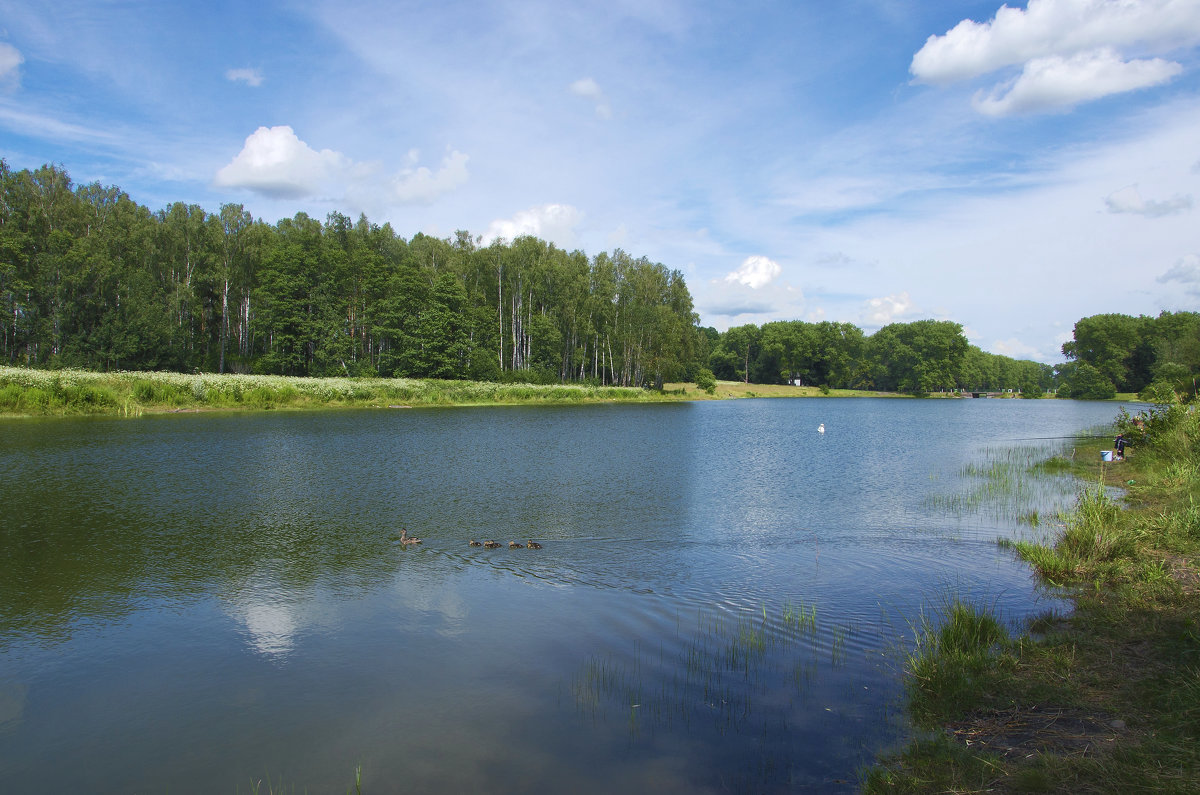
(1086, 382)
(956, 656)
(706, 380)
(1132, 353)
(89, 279)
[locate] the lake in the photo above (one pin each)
(192, 603)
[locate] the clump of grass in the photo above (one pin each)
(1097, 543)
(954, 659)
(800, 617)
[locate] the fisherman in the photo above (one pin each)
(1119, 443)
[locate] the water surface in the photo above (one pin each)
(190, 603)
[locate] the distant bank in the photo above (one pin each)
(30, 392)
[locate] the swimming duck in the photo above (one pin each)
(533, 544)
(514, 544)
(406, 539)
(475, 543)
(491, 544)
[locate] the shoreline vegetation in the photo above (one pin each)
(1104, 697)
(36, 392)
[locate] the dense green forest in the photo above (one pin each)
(1157, 357)
(91, 279)
(918, 357)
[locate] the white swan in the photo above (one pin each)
(821, 428)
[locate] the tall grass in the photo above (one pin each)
(954, 657)
(1011, 483)
(47, 392)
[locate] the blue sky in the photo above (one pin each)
(1012, 169)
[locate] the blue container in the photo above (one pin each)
(1106, 455)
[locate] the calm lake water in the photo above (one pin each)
(190, 603)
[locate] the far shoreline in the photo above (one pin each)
(26, 392)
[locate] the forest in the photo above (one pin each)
(1156, 357)
(90, 279)
(918, 357)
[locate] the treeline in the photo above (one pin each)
(90, 279)
(1157, 357)
(920, 357)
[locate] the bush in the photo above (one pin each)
(1159, 392)
(706, 380)
(1088, 383)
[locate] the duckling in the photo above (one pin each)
(491, 544)
(514, 544)
(533, 544)
(475, 543)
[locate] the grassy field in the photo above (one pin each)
(28, 392)
(1105, 698)
(63, 392)
(737, 389)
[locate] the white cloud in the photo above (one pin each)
(276, 163)
(422, 186)
(10, 63)
(755, 272)
(1068, 49)
(889, 309)
(1129, 200)
(1054, 28)
(553, 222)
(251, 77)
(589, 89)
(1055, 82)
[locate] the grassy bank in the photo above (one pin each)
(1105, 699)
(63, 392)
(738, 389)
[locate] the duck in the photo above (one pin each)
(475, 543)
(406, 539)
(514, 544)
(533, 544)
(491, 544)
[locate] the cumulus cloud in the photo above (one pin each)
(1129, 200)
(10, 63)
(423, 186)
(755, 272)
(276, 163)
(1069, 50)
(553, 222)
(1057, 83)
(251, 77)
(589, 89)
(889, 309)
